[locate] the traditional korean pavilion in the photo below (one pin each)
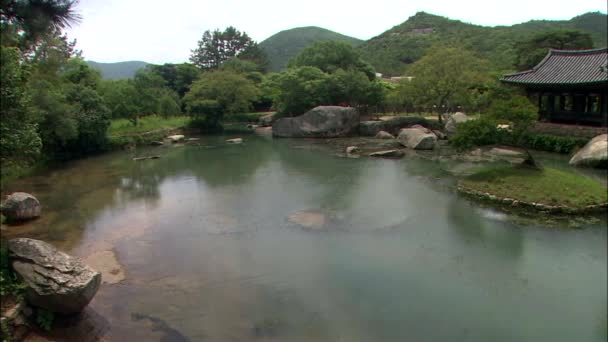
(571, 86)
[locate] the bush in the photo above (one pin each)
(552, 143)
(206, 115)
(479, 133)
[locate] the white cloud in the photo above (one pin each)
(165, 31)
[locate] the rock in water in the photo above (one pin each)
(453, 121)
(417, 139)
(594, 154)
(235, 141)
(55, 281)
(176, 138)
(352, 149)
(319, 122)
(21, 206)
(387, 154)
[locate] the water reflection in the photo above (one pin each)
(208, 254)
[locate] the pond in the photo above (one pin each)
(198, 245)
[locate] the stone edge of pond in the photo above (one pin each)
(515, 203)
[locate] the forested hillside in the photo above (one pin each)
(283, 46)
(392, 51)
(119, 70)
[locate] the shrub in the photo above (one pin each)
(478, 133)
(552, 143)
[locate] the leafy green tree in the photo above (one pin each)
(216, 47)
(530, 52)
(353, 88)
(331, 56)
(120, 97)
(178, 77)
(300, 89)
(219, 93)
(19, 139)
(445, 77)
(169, 105)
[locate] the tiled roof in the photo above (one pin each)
(566, 67)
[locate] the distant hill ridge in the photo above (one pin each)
(393, 50)
(118, 70)
(283, 46)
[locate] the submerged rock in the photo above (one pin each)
(319, 122)
(21, 206)
(417, 138)
(235, 141)
(309, 219)
(594, 154)
(55, 281)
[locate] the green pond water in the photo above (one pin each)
(208, 253)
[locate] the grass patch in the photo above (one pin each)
(145, 124)
(547, 186)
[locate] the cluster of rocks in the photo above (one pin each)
(319, 122)
(54, 281)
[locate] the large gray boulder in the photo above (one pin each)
(21, 206)
(319, 122)
(392, 125)
(418, 139)
(55, 281)
(453, 121)
(594, 154)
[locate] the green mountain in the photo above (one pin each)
(119, 70)
(393, 50)
(283, 46)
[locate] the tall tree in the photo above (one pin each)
(216, 47)
(444, 77)
(530, 52)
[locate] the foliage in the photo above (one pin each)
(445, 78)
(300, 89)
(531, 51)
(552, 143)
(217, 94)
(517, 111)
(285, 45)
(353, 88)
(19, 140)
(331, 56)
(10, 284)
(477, 133)
(27, 22)
(216, 47)
(538, 186)
(44, 319)
(177, 77)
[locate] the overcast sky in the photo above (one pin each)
(165, 31)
